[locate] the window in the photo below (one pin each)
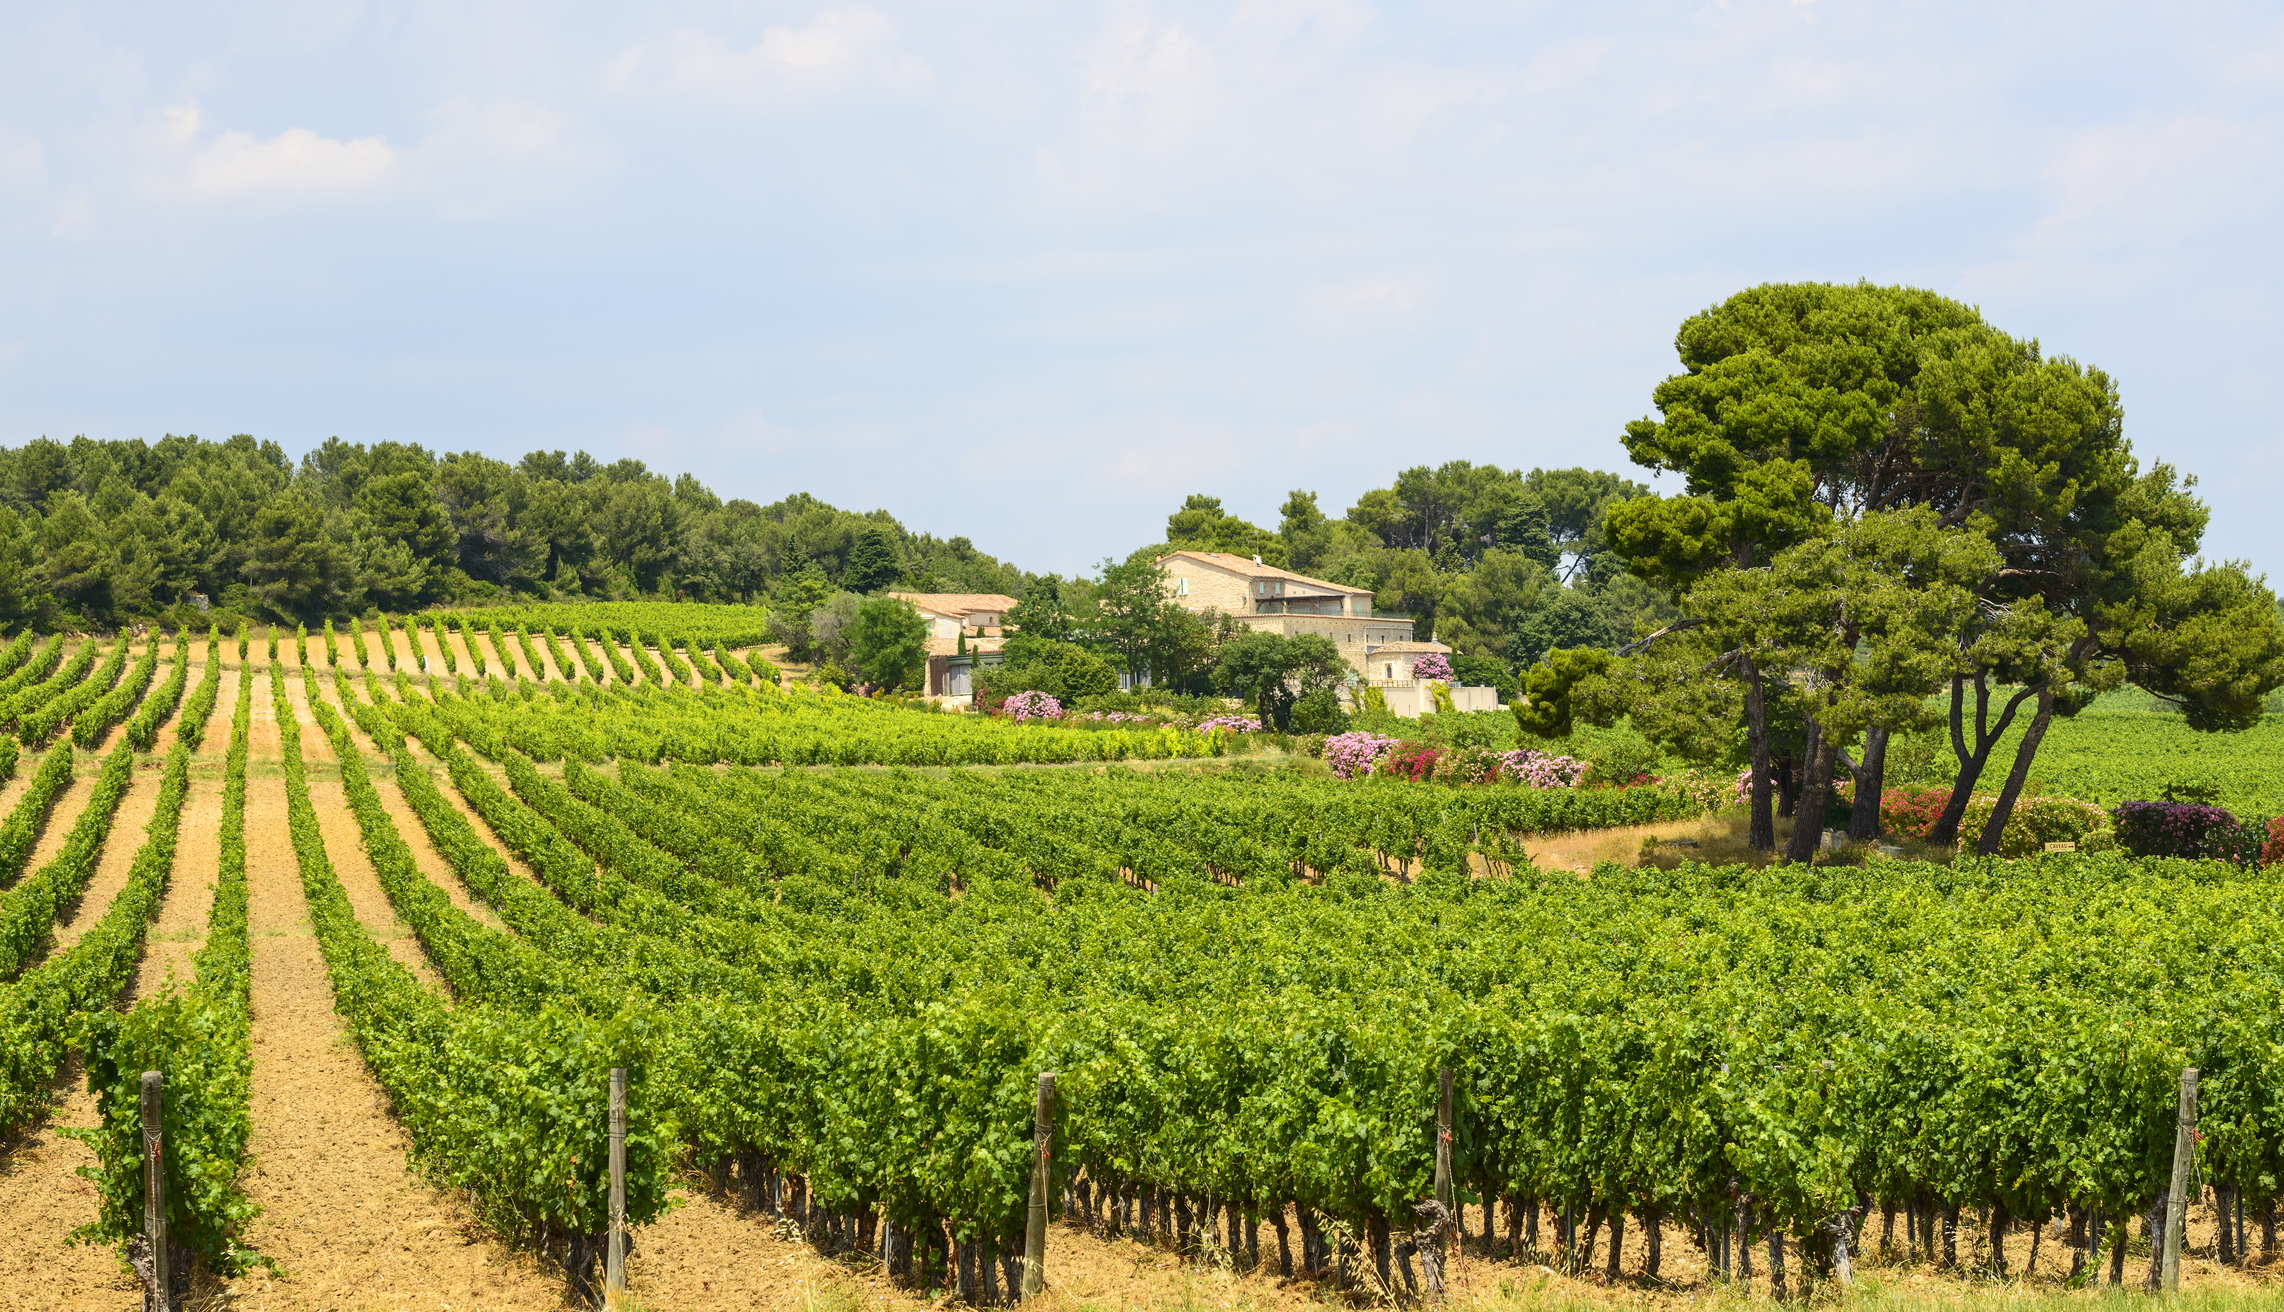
(1182, 586)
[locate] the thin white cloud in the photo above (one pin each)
(478, 157)
(840, 50)
(297, 163)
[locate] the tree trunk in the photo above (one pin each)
(1530, 1223)
(1284, 1244)
(1870, 776)
(2077, 1241)
(1950, 1237)
(1776, 1264)
(2031, 737)
(1762, 836)
(1653, 1236)
(2224, 1199)
(1376, 1226)
(2117, 1250)
(1011, 1266)
(2155, 1228)
(1971, 763)
(1887, 1228)
(964, 1254)
(1999, 1219)
(1617, 1244)
(1816, 757)
(1312, 1243)
(1787, 786)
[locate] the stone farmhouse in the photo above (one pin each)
(980, 616)
(1378, 648)
(1272, 600)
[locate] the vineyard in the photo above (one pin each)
(834, 943)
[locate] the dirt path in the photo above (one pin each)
(44, 1200)
(119, 846)
(341, 1211)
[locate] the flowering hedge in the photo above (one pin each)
(1537, 769)
(1434, 665)
(1352, 755)
(1232, 723)
(1032, 706)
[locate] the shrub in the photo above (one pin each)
(2272, 849)
(2037, 821)
(1536, 769)
(1319, 712)
(1033, 706)
(1912, 811)
(1064, 671)
(1431, 666)
(2185, 829)
(1352, 755)
(1620, 763)
(1413, 761)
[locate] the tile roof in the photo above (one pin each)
(957, 603)
(1245, 566)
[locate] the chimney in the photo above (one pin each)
(1256, 559)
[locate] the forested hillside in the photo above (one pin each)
(100, 532)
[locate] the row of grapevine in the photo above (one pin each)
(35, 667)
(28, 911)
(21, 830)
(42, 1008)
(1643, 1043)
(30, 699)
(199, 1039)
(762, 727)
(90, 724)
(506, 1103)
(143, 730)
(37, 725)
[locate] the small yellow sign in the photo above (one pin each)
(2061, 847)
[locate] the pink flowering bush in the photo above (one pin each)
(1033, 706)
(1536, 769)
(1434, 665)
(1352, 755)
(1233, 723)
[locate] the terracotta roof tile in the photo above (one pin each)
(1245, 566)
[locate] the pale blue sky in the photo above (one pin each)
(1032, 272)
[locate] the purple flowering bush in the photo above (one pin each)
(1536, 769)
(1232, 723)
(1032, 706)
(1352, 755)
(1434, 665)
(2183, 829)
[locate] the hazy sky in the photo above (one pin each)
(1032, 272)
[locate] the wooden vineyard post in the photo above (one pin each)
(2176, 1199)
(1035, 1224)
(155, 1194)
(615, 1247)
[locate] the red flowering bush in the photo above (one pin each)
(1413, 761)
(2272, 851)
